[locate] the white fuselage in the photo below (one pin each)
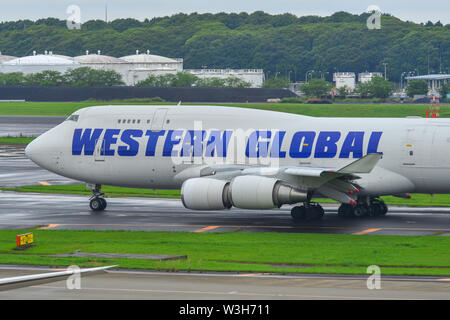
(162, 146)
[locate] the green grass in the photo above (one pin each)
(417, 200)
(330, 110)
(110, 191)
(16, 140)
(243, 252)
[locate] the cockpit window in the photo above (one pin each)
(73, 117)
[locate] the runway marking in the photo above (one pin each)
(223, 293)
(44, 183)
(148, 225)
(50, 226)
(368, 231)
(207, 228)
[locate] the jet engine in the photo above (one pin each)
(205, 194)
(245, 192)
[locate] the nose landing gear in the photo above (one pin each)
(97, 200)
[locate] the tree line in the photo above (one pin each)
(79, 77)
(88, 77)
(283, 45)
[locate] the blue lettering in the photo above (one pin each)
(86, 141)
(153, 137)
(326, 144)
(216, 142)
(373, 142)
(109, 139)
(353, 143)
(173, 138)
(302, 144)
(193, 140)
(256, 148)
(275, 151)
(133, 145)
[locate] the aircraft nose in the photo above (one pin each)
(47, 149)
(31, 149)
(35, 150)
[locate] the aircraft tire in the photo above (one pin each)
(298, 213)
(96, 204)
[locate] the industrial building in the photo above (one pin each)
(344, 79)
(348, 79)
(254, 76)
(367, 76)
(132, 68)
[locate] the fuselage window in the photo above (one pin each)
(138, 121)
(134, 120)
(148, 121)
(128, 121)
(118, 121)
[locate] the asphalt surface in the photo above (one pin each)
(28, 210)
(16, 170)
(27, 125)
(183, 286)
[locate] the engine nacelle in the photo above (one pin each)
(245, 192)
(205, 194)
(256, 192)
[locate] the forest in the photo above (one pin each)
(283, 45)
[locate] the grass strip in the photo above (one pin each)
(325, 110)
(16, 140)
(239, 251)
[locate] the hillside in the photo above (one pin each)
(276, 43)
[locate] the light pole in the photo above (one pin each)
(323, 74)
(401, 79)
(385, 64)
(306, 75)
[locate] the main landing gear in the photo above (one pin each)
(307, 212)
(369, 208)
(97, 200)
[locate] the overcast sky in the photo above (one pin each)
(413, 10)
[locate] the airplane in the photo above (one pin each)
(224, 157)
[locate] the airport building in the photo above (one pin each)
(254, 76)
(4, 58)
(38, 63)
(367, 76)
(345, 79)
(132, 68)
(434, 81)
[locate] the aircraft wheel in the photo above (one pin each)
(376, 210)
(384, 208)
(317, 212)
(104, 203)
(97, 204)
(298, 213)
(346, 210)
(360, 211)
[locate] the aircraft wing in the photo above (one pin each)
(335, 183)
(35, 279)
